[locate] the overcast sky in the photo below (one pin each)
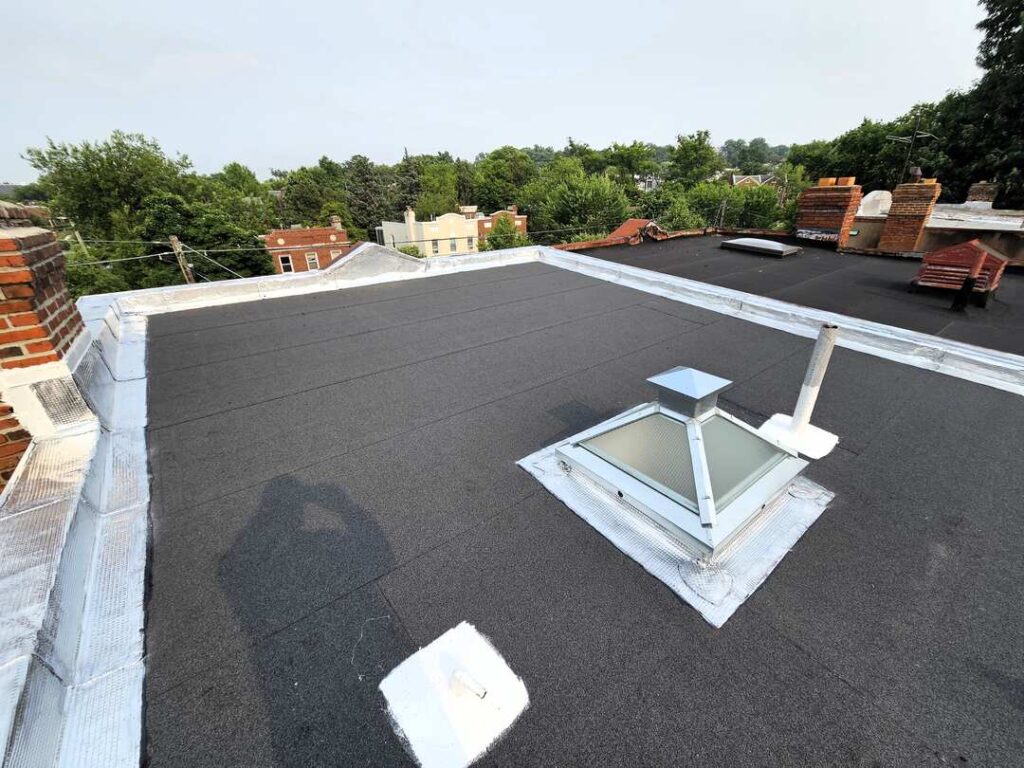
(277, 85)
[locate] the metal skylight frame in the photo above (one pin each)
(689, 397)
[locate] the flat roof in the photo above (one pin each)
(870, 287)
(334, 485)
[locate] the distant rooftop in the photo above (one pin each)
(871, 287)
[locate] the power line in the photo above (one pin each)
(115, 261)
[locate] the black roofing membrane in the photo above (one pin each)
(872, 288)
(317, 517)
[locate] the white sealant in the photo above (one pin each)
(451, 700)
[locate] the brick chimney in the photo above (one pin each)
(826, 212)
(38, 319)
(982, 192)
(912, 206)
(38, 326)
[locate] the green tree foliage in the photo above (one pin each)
(503, 235)
(681, 216)
(410, 250)
(438, 189)
(127, 197)
(978, 132)
(694, 159)
(588, 203)
(501, 176)
(100, 186)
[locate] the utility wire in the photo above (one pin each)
(115, 261)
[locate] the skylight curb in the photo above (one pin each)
(715, 586)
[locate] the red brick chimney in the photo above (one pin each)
(826, 212)
(38, 319)
(912, 206)
(38, 323)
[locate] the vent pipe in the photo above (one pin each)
(820, 356)
(796, 432)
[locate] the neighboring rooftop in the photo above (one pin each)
(870, 287)
(335, 485)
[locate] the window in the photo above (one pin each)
(435, 247)
(335, 254)
(487, 225)
(453, 245)
(312, 262)
(469, 243)
(286, 263)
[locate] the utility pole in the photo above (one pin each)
(910, 141)
(186, 268)
(81, 242)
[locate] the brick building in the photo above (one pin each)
(300, 250)
(484, 224)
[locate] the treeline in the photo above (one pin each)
(125, 196)
(975, 135)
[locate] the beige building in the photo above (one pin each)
(444, 235)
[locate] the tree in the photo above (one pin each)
(694, 159)
(754, 157)
(100, 186)
(503, 235)
(501, 177)
(370, 192)
(591, 203)
(439, 191)
(680, 216)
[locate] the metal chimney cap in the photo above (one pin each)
(687, 390)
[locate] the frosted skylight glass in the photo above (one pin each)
(656, 451)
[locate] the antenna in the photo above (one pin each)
(910, 141)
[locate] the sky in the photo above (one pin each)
(278, 85)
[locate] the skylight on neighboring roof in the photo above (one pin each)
(763, 247)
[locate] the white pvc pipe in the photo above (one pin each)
(815, 373)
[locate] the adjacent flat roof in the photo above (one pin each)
(334, 485)
(870, 287)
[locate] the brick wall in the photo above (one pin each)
(982, 192)
(912, 206)
(308, 249)
(38, 319)
(14, 440)
(826, 212)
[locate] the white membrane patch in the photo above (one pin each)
(715, 585)
(451, 700)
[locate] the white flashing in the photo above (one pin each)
(1000, 370)
(371, 264)
(452, 699)
(715, 584)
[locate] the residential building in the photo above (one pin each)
(306, 248)
(486, 223)
(753, 180)
(444, 235)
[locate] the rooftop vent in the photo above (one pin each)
(705, 502)
(763, 247)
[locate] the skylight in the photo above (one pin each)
(697, 496)
(763, 247)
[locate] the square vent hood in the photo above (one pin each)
(706, 503)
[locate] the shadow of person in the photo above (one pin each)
(306, 545)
